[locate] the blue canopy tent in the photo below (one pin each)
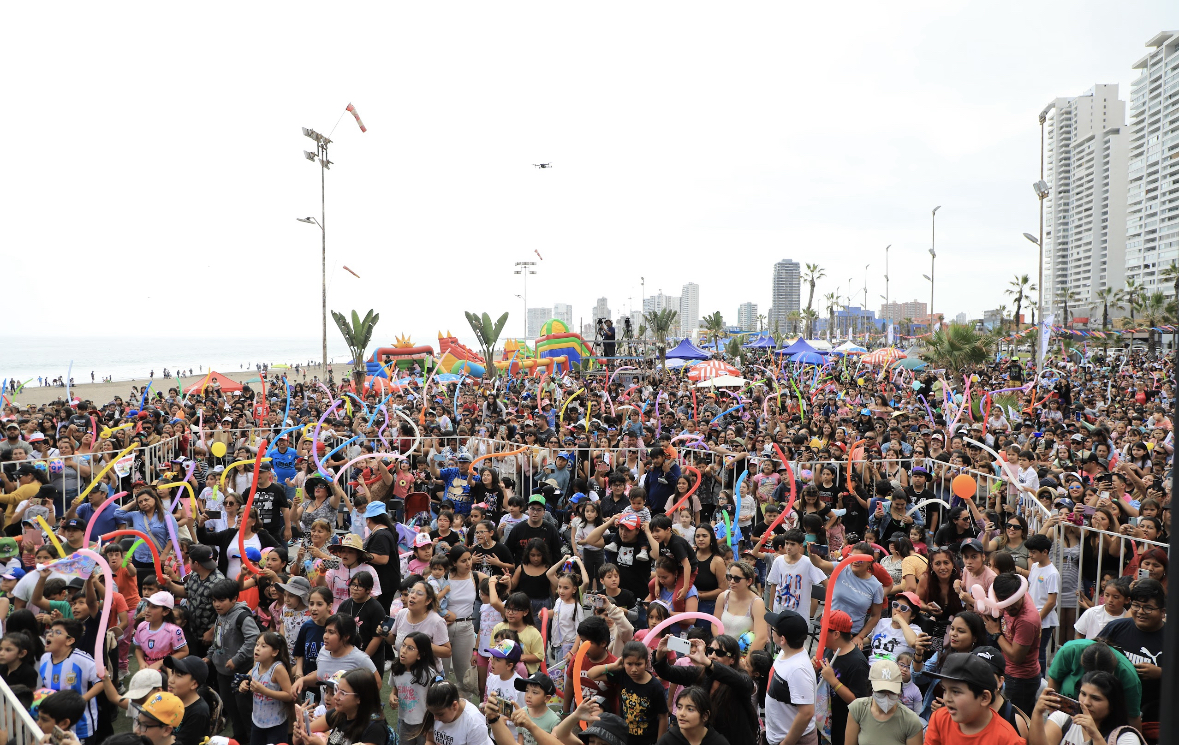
(686, 350)
(808, 358)
(797, 348)
(762, 341)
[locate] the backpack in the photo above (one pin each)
(217, 719)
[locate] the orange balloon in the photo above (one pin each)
(964, 486)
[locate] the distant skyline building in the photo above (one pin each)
(658, 302)
(564, 312)
(785, 292)
(747, 316)
(602, 309)
(537, 317)
(1152, 201)
(1085, 165)
(897, 312)
(689, 308)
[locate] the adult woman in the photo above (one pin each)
(381, 546)
(860, 595)
(488, 490)
(881, 719)
(694, 722)
(356, 719)
(73, 474)
(241, 476)
(321, 502)
(1010, 541)
(150, 518)
(1066, 556)
(341, 650)
(740, 608)
(1100, 548)
(1103, 710)
(421, 614)
(716, 670)
(464, 591)
(683, 485)
(229, 558)
(936, 592)
(1155, 562)
(533, 578)
(966, 632)
(906, 566)
(710, 568)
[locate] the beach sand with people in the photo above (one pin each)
(101, 393)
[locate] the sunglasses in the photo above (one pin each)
(1016, 526)
(902, 607)
(736, 577)
(717, 652)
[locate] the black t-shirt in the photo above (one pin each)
(24, 674)
(852, 670)
(625, 598)
(195, 725)
(498, 550)
(270, 501)
(633, 572)
(678, 549)
(828, 493)
(520, 535)
(368, 616)
(452, 538)
(1139, 646)
(642, 706)
(383, 542)
(375, 732)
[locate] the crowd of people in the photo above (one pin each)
(837, 553)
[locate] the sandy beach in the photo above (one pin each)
(101, 393)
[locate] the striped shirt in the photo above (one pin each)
(74, 673)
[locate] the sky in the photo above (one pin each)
(154, 167)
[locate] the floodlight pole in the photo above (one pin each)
(321, 154)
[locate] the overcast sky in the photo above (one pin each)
(153, 167)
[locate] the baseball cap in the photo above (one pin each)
(17, 573)
(144, 682)
(8, 548)
(264, 466)
(73, 524)
(165, 707)
(190, 665)
(203, 555)
(972, 544)
(544, 682)
(253, 554)
(162, 599)
(507, 650)
(787, 623)
(630, 520)
(994, 658)
(885, 676)
(422, 539)
(610, 729)
(537, 499)
(967, 668)
(464, 458)
(912, 598)
(839, 621)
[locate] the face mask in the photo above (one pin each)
(885, 701)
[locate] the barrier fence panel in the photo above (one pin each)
(15, 720)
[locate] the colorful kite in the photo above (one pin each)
(356, 116)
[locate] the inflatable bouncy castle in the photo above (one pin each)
(556, 340)
(455, 357)
(402, 356)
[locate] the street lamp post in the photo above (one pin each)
(886, 274)
(525, 268)
(932, 258)
(320, 154)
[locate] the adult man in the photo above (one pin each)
(615, 500)
(28, 483)
(918, 491)
(609, 334)
(1140, 638)
(13, 440)
(197, 585)
(633, 549)
(790, 693)
(659, 482)
(282, 458)
(457, 481)
(159, 717)
(86, 509)
(272, 504)
(534, 527)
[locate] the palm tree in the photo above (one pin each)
(356, 336)
(957, 347)
(488, 334)
(793, 317)
(715, 325)
(809, 317)
(1109, 298)
(1019, 287)
(813, 274)
(1133, 293)
(1065, 296)
(832, 300)
(1002, 310)
(761, 323)
(733, 349)
(661, 323)
(907, 325)
(1156, 310)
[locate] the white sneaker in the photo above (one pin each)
(611, 547)
(643, 555)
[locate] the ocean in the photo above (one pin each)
(133, 358)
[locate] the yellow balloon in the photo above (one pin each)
(218, 449)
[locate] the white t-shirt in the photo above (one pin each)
(1029, 478)
(792, 584)
(469, 728)
(505, 689)
(688, 533)
(792, 684)
(888, 641)
(26, 584)
(1076, 736)
(1094, 620)
(1042, 582)
(235, 557)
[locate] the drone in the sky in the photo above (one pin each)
(543, 165)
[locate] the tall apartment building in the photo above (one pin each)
(537, 317)
(1085, 211)
(1152, 193)
(564, 312)
(897, 312)
(747, 316)
(656, 303)
(689, 308)
(602, 309)
(786, 293)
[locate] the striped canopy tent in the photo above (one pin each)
(849, 347)
(712, 369)
(885, 356)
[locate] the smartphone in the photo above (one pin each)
(599, 601)
(934, 607)
(1143, 574)
(678, 645)
(307, 721)
(1103, 494)
(506, 707)
(1069, 706)
(213, 514)
(819, 549)
(1089, 511)
(58, 735)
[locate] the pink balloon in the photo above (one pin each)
(104, 619)
(988, 602)
(97, 512)
(653, 635)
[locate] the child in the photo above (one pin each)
(234, 638)
(31, 540)
(792, 575)
(514, 516)
(423, 553)
(185, 678)
(675, 548)
(51, 595)
(63, 668)
(594, 631)
(567, 609)
(1117, 597)
(684, 527)
(974, 571)
(517, 610)
(309, 640)
(269, 611)
(62, 710)
(270, 682)
(916, 537)
(641, 696)
(968, 688)
(413, 672)
(489, 618)
(16, 660)
(657, 613)
(592, 556)
(368, 614)
(758, 664)
(1044, 589)
(910, 693)
(158, 637)
(610, 578)
(150, 587)
(537, 689)
(355, 505)
(353, 559)
(502, 676)
(294, 612)
(438, 580)
(638, 505)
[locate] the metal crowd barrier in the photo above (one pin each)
(19, 727)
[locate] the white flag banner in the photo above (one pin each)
(891, 333)
(1045, 335)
